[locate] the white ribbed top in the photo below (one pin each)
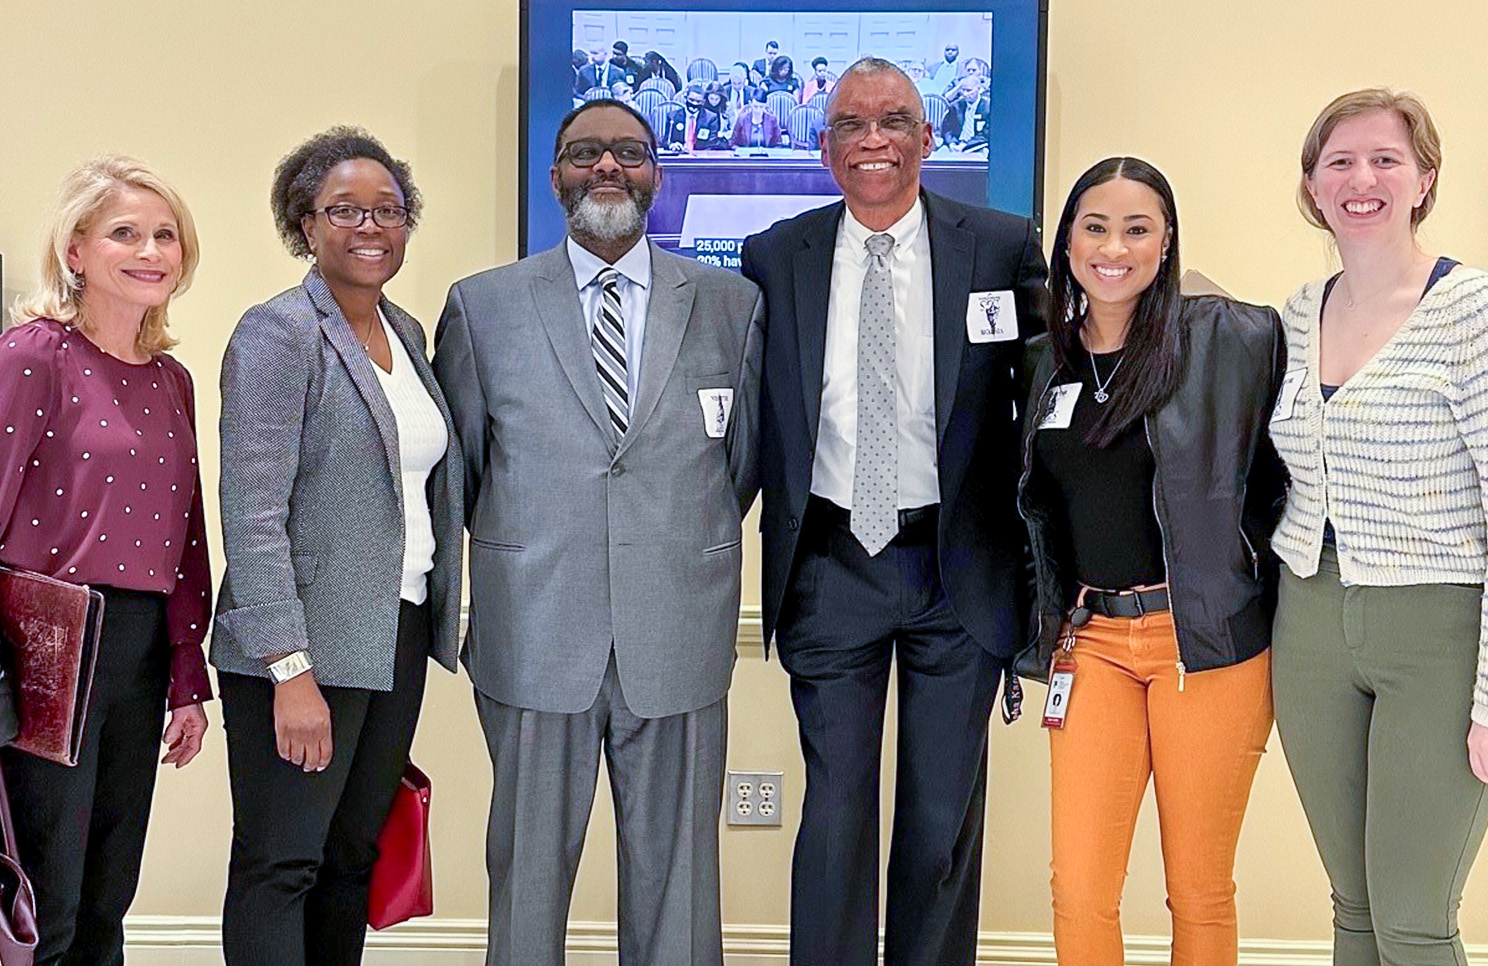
(422, 441)
(1398, 458)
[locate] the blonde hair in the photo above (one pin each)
(84, 194)
(1425, 142)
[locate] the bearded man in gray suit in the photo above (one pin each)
(604, 392)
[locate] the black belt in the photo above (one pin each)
(1120, 603)
(843, 517)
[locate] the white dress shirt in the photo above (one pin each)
(422, 442)
(635, 297)
(914, 359)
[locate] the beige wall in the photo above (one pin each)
(1217, 94)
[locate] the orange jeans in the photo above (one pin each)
(1128, 720)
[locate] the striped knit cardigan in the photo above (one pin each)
(1398, 458)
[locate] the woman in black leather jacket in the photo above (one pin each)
(1148, 488)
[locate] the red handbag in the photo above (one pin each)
(403, 878)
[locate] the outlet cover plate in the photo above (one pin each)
(754, 797)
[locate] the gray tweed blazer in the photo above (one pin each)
(312, 497)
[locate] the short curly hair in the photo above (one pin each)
(298, 178)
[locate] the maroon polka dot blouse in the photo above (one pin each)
(99, 482)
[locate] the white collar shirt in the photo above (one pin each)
(914, 360)
(635, 298)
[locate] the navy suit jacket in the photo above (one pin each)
(981, 540)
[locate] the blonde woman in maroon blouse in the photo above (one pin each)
(99, 485)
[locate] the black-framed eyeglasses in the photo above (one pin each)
(586, 154)
(352, 216)
(895, 125)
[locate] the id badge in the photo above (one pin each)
(1061, 683)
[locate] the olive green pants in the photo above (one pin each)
(1373, 687)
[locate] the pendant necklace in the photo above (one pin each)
(1100, 386)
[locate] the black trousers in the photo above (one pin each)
(81, 830)
(304, 844)
(846, 616)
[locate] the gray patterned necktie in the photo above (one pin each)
(609, 351)
(875, 493)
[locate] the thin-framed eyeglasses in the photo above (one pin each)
(586, 154)
(352, 216)
(897, 125)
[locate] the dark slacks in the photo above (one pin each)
(81, 830)
(304, 844)
(846, 616)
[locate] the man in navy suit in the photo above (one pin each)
(890, 455)
(598, 72)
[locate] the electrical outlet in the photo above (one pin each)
(754, 797)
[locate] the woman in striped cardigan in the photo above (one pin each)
(1378, 664)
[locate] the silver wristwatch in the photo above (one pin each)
(290, 666)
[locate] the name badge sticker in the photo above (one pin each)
(991, 317)
(1062, 401)
(717, 404)
(1286, 399)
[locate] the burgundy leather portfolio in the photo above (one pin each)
(50, 629)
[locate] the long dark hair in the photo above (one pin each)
(1153, 360)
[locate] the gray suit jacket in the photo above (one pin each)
(312, 497)
(578, 540)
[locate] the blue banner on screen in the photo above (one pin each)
(737, 95)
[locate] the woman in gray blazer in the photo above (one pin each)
(342, 524)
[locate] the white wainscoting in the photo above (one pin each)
(195, 941)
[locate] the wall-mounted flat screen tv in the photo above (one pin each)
(763, 70)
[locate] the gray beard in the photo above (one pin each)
(607, 223)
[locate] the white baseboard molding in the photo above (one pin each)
(196, 941)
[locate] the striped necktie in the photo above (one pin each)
(609, 351)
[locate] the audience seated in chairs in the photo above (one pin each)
(762, 66)
(756, 126)
(783, 76)
(738, 89)
(623, 92)
(715, 99)
(819, 83)
(923, 82)
(692, 127)
(597, 73)
(967, 122)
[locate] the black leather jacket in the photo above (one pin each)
(1217, 491)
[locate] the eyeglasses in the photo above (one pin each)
(894, 125)
(586, 154)
(352, 216)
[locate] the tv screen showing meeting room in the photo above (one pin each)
(737, 100)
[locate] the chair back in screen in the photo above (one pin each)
(819, 101)
(647, 100)
(780, 103)
(806, 122)
(659, 84)
(598, 94)
(702, 69)
(936, 108)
